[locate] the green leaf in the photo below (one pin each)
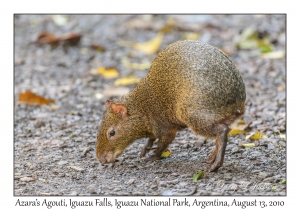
(198, 176)
(283, 182)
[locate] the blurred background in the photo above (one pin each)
(67, 66)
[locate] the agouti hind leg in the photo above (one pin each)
(221, 142)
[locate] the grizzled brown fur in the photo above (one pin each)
(190, 84)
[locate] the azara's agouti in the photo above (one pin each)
(190, 84)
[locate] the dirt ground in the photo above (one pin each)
(54, 147)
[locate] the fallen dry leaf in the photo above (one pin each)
(190, 35)
(98, 48)
(238, 127)
(30, 98)
(255, 136)
(273, 55)
(70, 39)
(136, 66)
(166, 153)
(248, 145)
(128, 80)
(108, 73)
(47, 38)
(52, 107)
(234, 132)
(149, 47)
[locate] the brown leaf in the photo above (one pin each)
(98, 48)
(47, 38)
(71, 38)
(30, 98)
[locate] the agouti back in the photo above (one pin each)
(190, 84)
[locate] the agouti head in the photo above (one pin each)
(118, 129)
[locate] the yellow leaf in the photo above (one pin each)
(52, 107)
(166, 153)
(273, 55)
(137, 66)
(128, 80)
(248, 145)
(255, 136)
(151, 46)
(108, 73)
(241, 122)
(236, 132)
(239, 125)
(190, 35)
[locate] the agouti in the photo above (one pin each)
(190, 84)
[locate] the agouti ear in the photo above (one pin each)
(120, 109)
(108, 103)
(117, 108)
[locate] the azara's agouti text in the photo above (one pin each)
(189, 84)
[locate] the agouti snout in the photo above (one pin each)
(190, 84)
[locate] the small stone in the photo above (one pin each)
(235, 149)
(271, 146)
(26, 179)
(175, 181)
(216, 193)
(86, 150)
(183, 184)
(76, 168)
(162, 184)
(202, 192)
(118, 189)
(262, 175)
(138, 193)
(183, 154)
(62, 163)
(199, 143)
(40, 115)
(38, 123)
(228, 176)
(91, 189)
(131, 181)
(167, 193)
(73, 193)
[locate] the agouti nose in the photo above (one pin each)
(102, 159)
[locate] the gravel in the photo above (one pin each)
(54, 150)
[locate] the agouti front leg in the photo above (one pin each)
(147, 147)
(221, 143)
(162, 145)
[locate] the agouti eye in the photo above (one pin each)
(112, 133)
